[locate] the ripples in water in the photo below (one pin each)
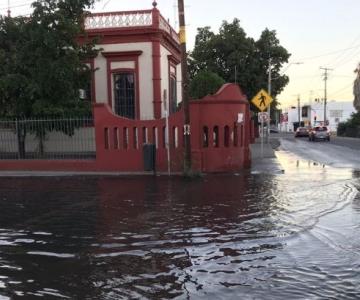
(222, 237)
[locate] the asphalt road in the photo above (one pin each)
(339, 152)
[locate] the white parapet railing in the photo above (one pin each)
(130, 19)
(118, 20)
(164, 25)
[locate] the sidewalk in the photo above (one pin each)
(266, 163)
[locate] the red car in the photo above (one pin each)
(301, 132)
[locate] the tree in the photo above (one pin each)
(231, 47)
(351, 127)
(42, 64)
(205, 83)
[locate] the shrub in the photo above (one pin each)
(205, 83)
(351, 127)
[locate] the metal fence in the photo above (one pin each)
(72, 138)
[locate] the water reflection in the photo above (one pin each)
(252, 236)
(173, 237)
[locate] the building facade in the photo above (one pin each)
(313, 114)
(137, 71)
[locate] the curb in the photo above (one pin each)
(268, 163)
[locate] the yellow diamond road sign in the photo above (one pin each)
(262, 100)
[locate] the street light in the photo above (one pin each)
(269, 90)
(290, 64)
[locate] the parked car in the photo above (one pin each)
(274, 129)
(301, 132)
(319, 133)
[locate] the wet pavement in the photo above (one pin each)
(246, 236)
(339, 152)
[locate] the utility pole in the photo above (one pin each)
(269, 110)
(9, 11)
(185, 86)
(311, 92)
(175, 15)
(325, 90)
(299, 119)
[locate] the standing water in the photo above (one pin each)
(290, 236)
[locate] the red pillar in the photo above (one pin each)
(247, 132)
(247, 126)
(156, 58)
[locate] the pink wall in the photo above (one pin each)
(221, 110)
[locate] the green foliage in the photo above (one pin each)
(42, 62)
(42, 65)
(205, 83)
(231, 47)
(355, 119)
(341, 128)
(351, 127)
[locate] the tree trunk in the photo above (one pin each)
(21, 135)
(41, 138)
(357, 93)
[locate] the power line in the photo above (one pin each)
(314, 81)
(346, 76)
(18, 5)
(16, 2)
(107, 2)
(347, 60)
(312, 76)
(329, 53)
(339, 57)
(342, 89)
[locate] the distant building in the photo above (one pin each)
(313, 114)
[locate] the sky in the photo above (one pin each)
(317, 33)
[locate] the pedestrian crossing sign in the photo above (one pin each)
(262, 100)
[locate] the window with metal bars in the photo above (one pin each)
(124, 92)
(173, 94)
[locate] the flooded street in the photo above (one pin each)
(244, 236)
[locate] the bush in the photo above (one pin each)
(341, 129)
(350, 128)
(205, 83)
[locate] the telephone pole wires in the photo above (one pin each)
(326, 70)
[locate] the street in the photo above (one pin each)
(339, 152)
(280, 235)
